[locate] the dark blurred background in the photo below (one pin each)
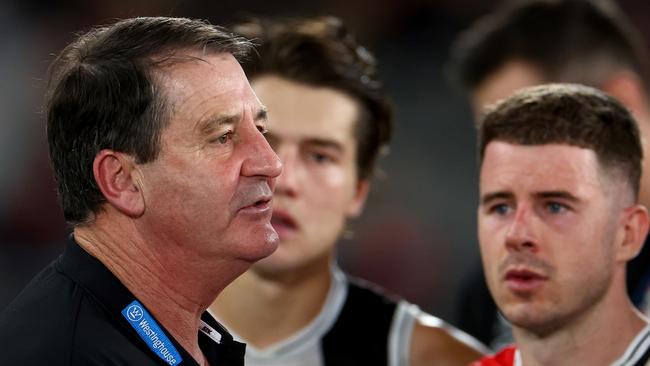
(417, 237)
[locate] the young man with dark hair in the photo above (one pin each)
(558, 220)
(532, 42)
(330, 120)
(156, 141)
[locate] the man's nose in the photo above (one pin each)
(520, 235)
(261, 160)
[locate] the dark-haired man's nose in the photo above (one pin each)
(520, 235)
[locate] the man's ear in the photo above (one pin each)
(115, 175)
(632, 232)
(359, 200)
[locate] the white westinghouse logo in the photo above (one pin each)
(151, 333)
(135, 313)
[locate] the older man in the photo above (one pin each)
(156, 140)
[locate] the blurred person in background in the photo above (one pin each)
(532, 42)
(329, 122)
(156, 141)
(558, 219)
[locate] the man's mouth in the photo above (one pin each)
(259, 206)
(523, 280)
(284, 223)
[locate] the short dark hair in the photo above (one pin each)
(569, 114)
(103, 94)
(322, 52)
(578, 41)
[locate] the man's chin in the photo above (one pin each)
(531, 320)
(262, 247)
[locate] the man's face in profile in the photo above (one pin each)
(209, 191)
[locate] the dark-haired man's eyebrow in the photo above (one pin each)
(557, 194)
(493, 196)
(325, 143)
(213, 123)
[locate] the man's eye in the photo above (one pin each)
(501, 209)
(223, 138)
(320, 158)
(555, 207)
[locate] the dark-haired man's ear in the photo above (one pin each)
(359, 200)
(632, 232)
(115, 175)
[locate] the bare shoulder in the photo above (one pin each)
(435, 342)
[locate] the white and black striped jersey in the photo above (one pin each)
(358, 325)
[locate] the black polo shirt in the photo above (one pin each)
(76, 312)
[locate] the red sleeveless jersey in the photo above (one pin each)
(505, 357)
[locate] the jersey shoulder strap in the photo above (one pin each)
(360, 334)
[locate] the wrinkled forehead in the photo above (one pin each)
(185, 68)
(195, 76)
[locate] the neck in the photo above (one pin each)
(583, 341)
(161, 275)
(265, 310)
